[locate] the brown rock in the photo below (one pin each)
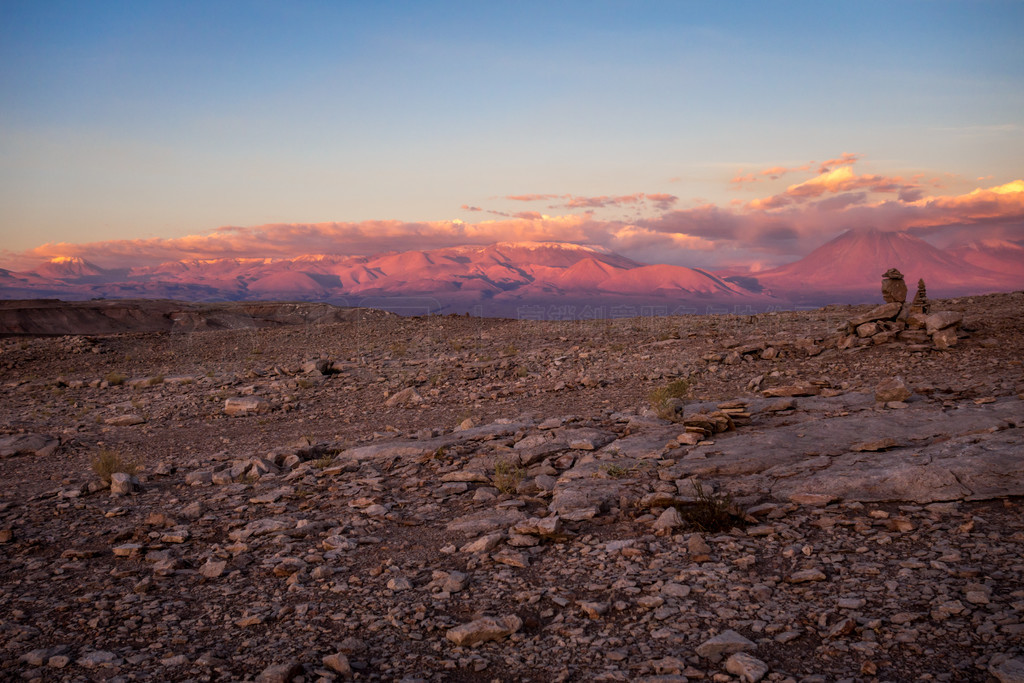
(483, 630)
(892, 390)
(894, 289)
(944, 339)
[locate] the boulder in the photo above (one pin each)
(27, 444)
(246, 405)
(892, 389)
(941, 320)
(484, 629)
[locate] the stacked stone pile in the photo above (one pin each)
(898, 321)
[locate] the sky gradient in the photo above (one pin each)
(706, 134)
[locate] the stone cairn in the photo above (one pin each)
(920, 302)
(898, 321)
(894, 289)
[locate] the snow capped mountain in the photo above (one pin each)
(69, 268)
(501, 278)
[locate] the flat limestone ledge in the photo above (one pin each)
(968, 452)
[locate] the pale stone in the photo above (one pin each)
(246, 405)
(337, 663)
(406, 397)
(940, 320)
(807, 575)
(892, 389)
(724, 643)
(750, 669)
(540, 526)
(669, 519)
(121, 484)
(944, 339)
(213, 568)
(483, 630)
(125, 420)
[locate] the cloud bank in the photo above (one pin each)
(774, 228)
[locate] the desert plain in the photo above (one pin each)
(360, 496)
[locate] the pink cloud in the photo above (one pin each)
(775, 228)
(845, 159)
(532, 197)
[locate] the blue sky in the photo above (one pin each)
(134, 120)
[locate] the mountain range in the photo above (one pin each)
(541, 279)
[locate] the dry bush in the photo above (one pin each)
(662, 399)
(114, 378)
(507, 476)
(108, 462)
(711, 513)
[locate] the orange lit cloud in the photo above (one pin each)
(771, 229)
(772, 173)
(845, 159)
(660, 200)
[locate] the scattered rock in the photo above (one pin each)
(483, 630)
(893, 389)
(246, 405)
(727, 642)
(750, 669)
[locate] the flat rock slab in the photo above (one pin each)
(969, 452)
(27, 444)
(415, 448)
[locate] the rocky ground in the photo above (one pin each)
(448, 498)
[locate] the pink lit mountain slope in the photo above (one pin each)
(850, 268)
(999, 256)
(497, 279)
(69, 268)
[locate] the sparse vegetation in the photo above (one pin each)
(322, 462)
(155, 380)
(114, 378)
(399, 349)
(615, 471)
(108, 462)
(711, 513)
(664, 400)
(507, 476)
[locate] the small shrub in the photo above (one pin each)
(322, 462)
(510, 350)
(662, 399)
(711, 513)
(615, 471)
(304, 383)
(153, 381)
(522, 372)
(399, 349)
(108, 462)
(507, 476)
(115, 378)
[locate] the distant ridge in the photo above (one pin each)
(503, 278)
